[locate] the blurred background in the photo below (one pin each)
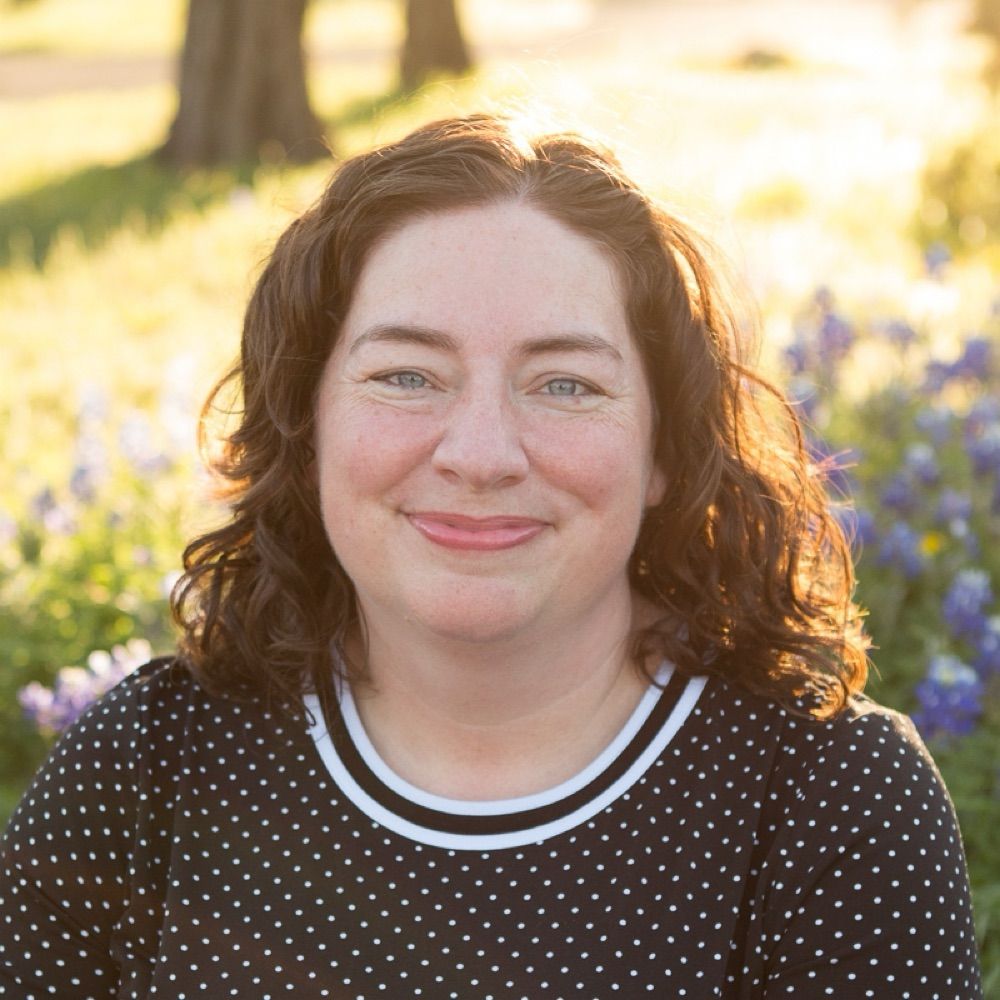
(844, 153)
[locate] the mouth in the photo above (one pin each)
(483, 534)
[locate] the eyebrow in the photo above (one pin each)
(587, 343)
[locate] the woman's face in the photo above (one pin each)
(484, 430)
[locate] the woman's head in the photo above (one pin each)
(740, 548)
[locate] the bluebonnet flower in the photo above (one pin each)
(936, 422)
(836, 338)
(954, 511)
(42, 503)
(76, 688)
(899, 494)
(976, 360)
(983, 450)
(953, 505)
(899, 333)
(797, 356)
(90, 466)
(823, 298)
(833, 464)
(920, 460)
(983, 412)
(858, 524)
(804, 397)
(936, 256)
(950, 698)
(866, 532)
(936, 375)
(901, 550)
(964, 605)
(987, 661)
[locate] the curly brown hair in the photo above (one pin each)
(752, 571)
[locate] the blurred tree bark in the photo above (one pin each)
(242, 91)
(434, 42)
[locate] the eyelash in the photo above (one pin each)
(392, 379)
(388, 378)
(587, 388)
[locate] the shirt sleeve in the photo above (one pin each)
(65, 856)
(866, 889)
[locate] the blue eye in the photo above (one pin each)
(566, 387)
(405, 380)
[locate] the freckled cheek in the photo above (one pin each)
(600, 467)
(372, 454)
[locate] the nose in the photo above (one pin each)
(481, 444)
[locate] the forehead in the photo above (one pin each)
(498, 270)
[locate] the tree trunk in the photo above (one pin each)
(242, 87)
(434, 42)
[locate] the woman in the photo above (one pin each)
(526, 665)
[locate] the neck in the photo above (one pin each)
(499, 720)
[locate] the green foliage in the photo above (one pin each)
(79, 575)
(97, 200)
(961, 195)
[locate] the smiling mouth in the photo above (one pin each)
(483, 534)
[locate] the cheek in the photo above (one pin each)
(603, 465)
(363, 452)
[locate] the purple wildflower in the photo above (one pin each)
(983, 412)
(922, 463)
(953, 505)
(976, 360)
(900, 549)
(867, 533)
(899, 333)
(899, 494)
(936, 422)
(42, 503)
(858, 524)
(76, 688)
(797, 356)
(83, 482)
(936, 375)
(987, 661)
(965, 602)
(950, 698)
(983, 449)
(804, 397)
(823, 298)
(936, 256)
(836, 337)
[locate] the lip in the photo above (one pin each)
(481, 534)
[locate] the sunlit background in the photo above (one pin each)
(845, 154)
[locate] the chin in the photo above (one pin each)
(477, 620)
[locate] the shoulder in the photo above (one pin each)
(147, 722)
(864, 735)
(867, 762)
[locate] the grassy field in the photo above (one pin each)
(794, 132)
